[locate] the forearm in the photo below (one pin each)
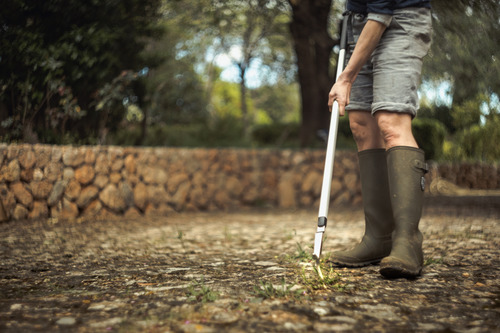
(368, 40)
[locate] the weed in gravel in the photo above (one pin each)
(228, 237)
(289, 236)
(200, 292)
(267, 290)
(434, 261)
(301, 255)
(317, 281)
(180, 237)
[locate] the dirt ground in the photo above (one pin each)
(245, 271)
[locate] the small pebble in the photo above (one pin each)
(66, 321)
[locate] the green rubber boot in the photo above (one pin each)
(406, 167)
(379, 223)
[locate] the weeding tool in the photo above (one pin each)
(330, 155)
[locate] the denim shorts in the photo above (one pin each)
(389, 80)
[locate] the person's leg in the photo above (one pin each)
(379, 224)
(395, 129)
(397, 64)
(406, 169)
(376, 242)
(365, 130)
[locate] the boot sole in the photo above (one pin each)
(399, 271)
(356, 265)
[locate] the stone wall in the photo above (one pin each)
(98, 181)
(471, 175)
(66, 182)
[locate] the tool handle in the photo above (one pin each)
(332, 133)
(343, 35)
(329, 160)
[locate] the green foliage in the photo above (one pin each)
(477, 142)
(475, 131)
(302, 255)
(441, 113)
(198, 291)
(267, 290)
(465, 47)
(287, 135)
(70, 72)
(180, 237)
(257, 28)
(225, 101)
(434, 261)
(345, 140)
(468, 113)
(319, 281)
(280, 101)
(55, 55)
(276, 135)
(175, 93)
(244, 31)
(219, 132)
(430, 135)
(464, 53)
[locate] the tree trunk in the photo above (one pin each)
(244, 106)
(144, 128)
(313, 46)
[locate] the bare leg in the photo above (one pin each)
(395, 129)
(365, 130)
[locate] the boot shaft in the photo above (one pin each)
(406, 169)
(375, 192)
(379, 223)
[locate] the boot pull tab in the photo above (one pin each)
(424, 167)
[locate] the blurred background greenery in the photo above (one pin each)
(235, 73)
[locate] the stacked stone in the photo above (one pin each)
(471, 175)
(66, 182)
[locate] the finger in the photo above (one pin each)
(341, 110)
(330, 103)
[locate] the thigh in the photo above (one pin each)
(397, 61)
(361, 96)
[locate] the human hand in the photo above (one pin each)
(340, 93)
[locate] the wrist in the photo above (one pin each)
(348, 76)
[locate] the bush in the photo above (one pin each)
(221, 132)
(277, 135)
(287, 135)
(345, 140)
(430, 135)
(478, 142)
(224, 131)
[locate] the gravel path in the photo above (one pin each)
(247, 271)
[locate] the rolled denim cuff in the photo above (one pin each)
(385, 19)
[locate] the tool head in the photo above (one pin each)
(318, 237)
(318, 243)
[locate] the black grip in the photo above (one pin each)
(343, 31)
(322, 221)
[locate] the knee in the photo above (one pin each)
(366, 133)
(388, 129)
(395, 129)
(365, 130)
(359, 131)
